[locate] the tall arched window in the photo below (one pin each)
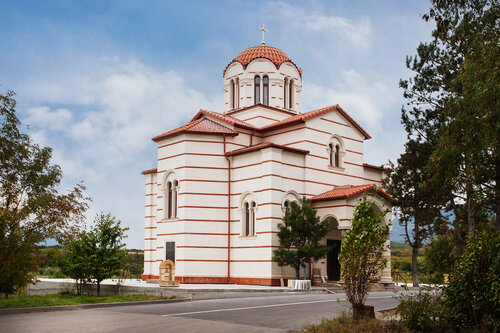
(237, 93)
(337, 155)
(290, 95)
(257, 89)
(233, 92)
(285, 92)
(265, 90)
(169, 200)
(330, 149)
(336, 151)
(247, 219)
(174, 198)
(252, 218)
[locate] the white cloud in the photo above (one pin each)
(43, 116)
(365, 101)
(103, 133)
(355, 32)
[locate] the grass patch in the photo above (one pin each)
(346, 324)
(65, 298)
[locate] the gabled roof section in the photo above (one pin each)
(343, 192)
(265, 145)
(199, 126)
(301, 118)
(225, 118)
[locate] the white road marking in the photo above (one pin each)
(264, 306)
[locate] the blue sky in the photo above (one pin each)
(96, 80)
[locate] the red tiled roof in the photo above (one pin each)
(276, 56)
(300, 118)
(376, 167)
(145, 172)
(200, 126)
(343, 192)
(228, 119)
(265, 145)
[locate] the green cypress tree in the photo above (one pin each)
(300, 234)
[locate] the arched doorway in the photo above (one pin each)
(334, 243)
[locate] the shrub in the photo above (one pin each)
(472, 298)
(347, 324)
(361, 255)
(471, 301)
(420, 312)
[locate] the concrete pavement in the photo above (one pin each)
(253, 314)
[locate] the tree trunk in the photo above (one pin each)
(362, 311)
(457, 232)
(414, 265)
(471, 223)
(98, 288)
(297, 273)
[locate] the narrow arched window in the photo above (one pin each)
(237, 93)
(174, 199)
(337, 155)
(257, 89)
(330, 148)
(285, 92)
(233, 91)
(169, 200)
(265, 90)
(247, 219)
(290, 95)
(287, 206)
(252, 218)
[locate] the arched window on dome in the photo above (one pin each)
(257, 89)
(285, 92)
(236, 93)
(233, 92)
(265, 90)
(290, 98)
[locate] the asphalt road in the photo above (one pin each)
(246, 314)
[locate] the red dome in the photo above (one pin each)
(276, 56)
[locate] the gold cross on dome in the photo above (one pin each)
(261, 28)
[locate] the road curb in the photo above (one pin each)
(86, 306)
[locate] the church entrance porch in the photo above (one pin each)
(332, 259)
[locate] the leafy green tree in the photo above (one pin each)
(300, 234)
(31, 207)
(417, 206)
(361, 255)
(105, 240)
(74, 261)
(439, 258)
(453, 105)
(96, 254)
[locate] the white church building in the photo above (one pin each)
(223, 180)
